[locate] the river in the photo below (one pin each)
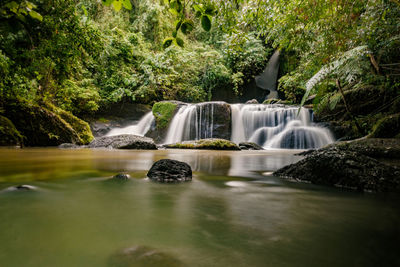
(233, 213)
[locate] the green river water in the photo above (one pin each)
(233, 213)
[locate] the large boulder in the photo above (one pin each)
(124, 141)
(343, 168)
(170, 171)
(9, 135)
(209, 143)
(142, 256)
(163, 112)
(387, 127)
(46, 125)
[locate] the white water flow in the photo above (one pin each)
(277, 126)
(192, 122)
(141, 128)
(268, 79)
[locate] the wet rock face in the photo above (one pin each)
(142, 256)
(170, 171)
(252, 101)
(343, 168)
(124, 141)
(249, 146)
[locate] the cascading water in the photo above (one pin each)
(141, 128)
(193, 122)
(277, 126)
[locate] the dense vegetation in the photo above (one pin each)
(82, 55)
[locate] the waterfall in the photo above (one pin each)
(141, 128)
(268, 79)
(193, 122)
(277, 126)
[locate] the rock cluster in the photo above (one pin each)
(124, 141)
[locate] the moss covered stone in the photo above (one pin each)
(81, 127)
(210, 143)
(387, 127)
(9, 135)
(163, 112)
(46, 125)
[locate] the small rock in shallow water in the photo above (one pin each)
(121, 177)
(21, 188)
(142, 256)
(170, 171)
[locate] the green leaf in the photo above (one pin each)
(198, 8)
(84, 10)
(107, 2)
(209, 11)
(167, 42)
(117, 5)
(35, 15)
(173, 11)
(127, 4)
(178, 24)
(178, 41)
(206, 22)
(198, 14)
(187, 26)
(174, 34)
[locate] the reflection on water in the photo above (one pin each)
(229, 215)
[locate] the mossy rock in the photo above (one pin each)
(80, 126)
(9, 135)
(387, 127)
(46, 125)
(164, 112)
(210, 143)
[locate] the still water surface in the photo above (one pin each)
(233, 213)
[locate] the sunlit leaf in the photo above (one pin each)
(107, 2)
(179, 42)
(117, 5)
(35, 15)
(187, 26)
(127, 4)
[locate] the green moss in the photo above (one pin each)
(387, 127)
(211, 143)
(9, 135)
(163, 112)
(81, 127)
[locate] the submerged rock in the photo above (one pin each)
(121, 177)
(344, 168)
(21, 188)
(170, 171)
(70, 146)
(124, 141)
(142, 256)
(250, 146)
(210, 143)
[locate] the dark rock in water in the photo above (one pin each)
(121, 177)
(209, 143)
(170, 171)
(124, 141)
(69, 145)
(142, 256)
(250, 146)
(342, 168)
(252, 101)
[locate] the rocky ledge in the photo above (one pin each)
(349, 165)
(210, 143)
(249, 146)
(124, 141)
